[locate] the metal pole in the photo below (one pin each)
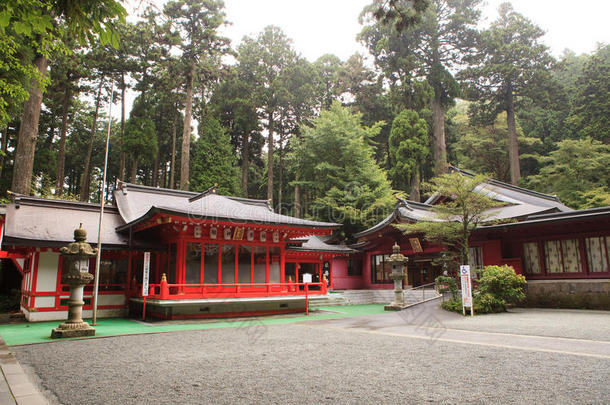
(102, 199)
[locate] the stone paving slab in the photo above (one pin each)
(15, 386)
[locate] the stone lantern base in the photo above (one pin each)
(68, 330)
(395, 307)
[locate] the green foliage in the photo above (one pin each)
(509, 62)
(335, 161)
(498, 287)
(213, 160)
(578, 172)
(483, 304)
(408, 149)
(446, 284)
(139, 139)
(484, 148)
(502, 283)
(590, 108)
(29, 28)
(458, 215)
(401, 15)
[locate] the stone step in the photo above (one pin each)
(358, 297)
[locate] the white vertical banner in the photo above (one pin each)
(466, 289)
(145, 274)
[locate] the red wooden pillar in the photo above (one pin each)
(330, 272)
(267, 268)
(202, 270)
(236, 264)
(283, 264)
(219, 281)
(35, 258)
(181, 264)
(251, 264)
(128, 281)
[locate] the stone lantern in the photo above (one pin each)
(397, 261)
(76, 274)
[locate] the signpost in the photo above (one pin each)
(306, 280)
(466, 289)
(145, 276)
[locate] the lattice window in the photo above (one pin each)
(597, 253)
(531, 258)
(562, 256)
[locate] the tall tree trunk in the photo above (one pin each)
(155, 173)
(172, 166)
(134, 170)
(28, 132)
(4, 148)
(61, 154)
(440, 147)
(123, 155)
(280, 173)
(297, 197)
(86, 180)
(270, 161)
(513, 146)
(245, 163)
(186, 133)
(415, 189)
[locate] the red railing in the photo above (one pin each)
(166, 291)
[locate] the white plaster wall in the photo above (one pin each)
(63, 315)
(45, 302)
(47, 272)
(118, 299)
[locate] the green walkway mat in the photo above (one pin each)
(40, 332)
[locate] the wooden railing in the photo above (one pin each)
(166, 291)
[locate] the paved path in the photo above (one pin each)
(15, 386)
(388, 358)
(557, 331)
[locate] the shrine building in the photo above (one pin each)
(210, 255)
(563, 253)
(219, 256)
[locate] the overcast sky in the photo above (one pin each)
(318, 27)
(330, 26)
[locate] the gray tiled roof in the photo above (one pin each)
(136, 203)
(53, 222)
(511, 194)
(315, 243)
(519, 204)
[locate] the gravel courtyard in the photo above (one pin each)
(376, 359)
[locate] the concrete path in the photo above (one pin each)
(557, 331)
(15, 386)
(420, 355)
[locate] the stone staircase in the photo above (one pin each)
(327, 300)
(362, 297)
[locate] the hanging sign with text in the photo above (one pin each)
(466, 288)
(145, 274)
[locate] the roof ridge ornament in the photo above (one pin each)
(211, 190)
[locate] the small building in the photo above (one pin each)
(563, 253)
(210, 255)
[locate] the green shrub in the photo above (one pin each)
(445, 284)
(453, 304)
(498, 287)
(502, 283)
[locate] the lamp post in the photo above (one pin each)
(76, 274)
(397, 260)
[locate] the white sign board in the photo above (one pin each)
(466, 288)
(306, 278)
(145, 274)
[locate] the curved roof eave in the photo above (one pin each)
(161, 210)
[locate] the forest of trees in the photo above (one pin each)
(330, 139)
